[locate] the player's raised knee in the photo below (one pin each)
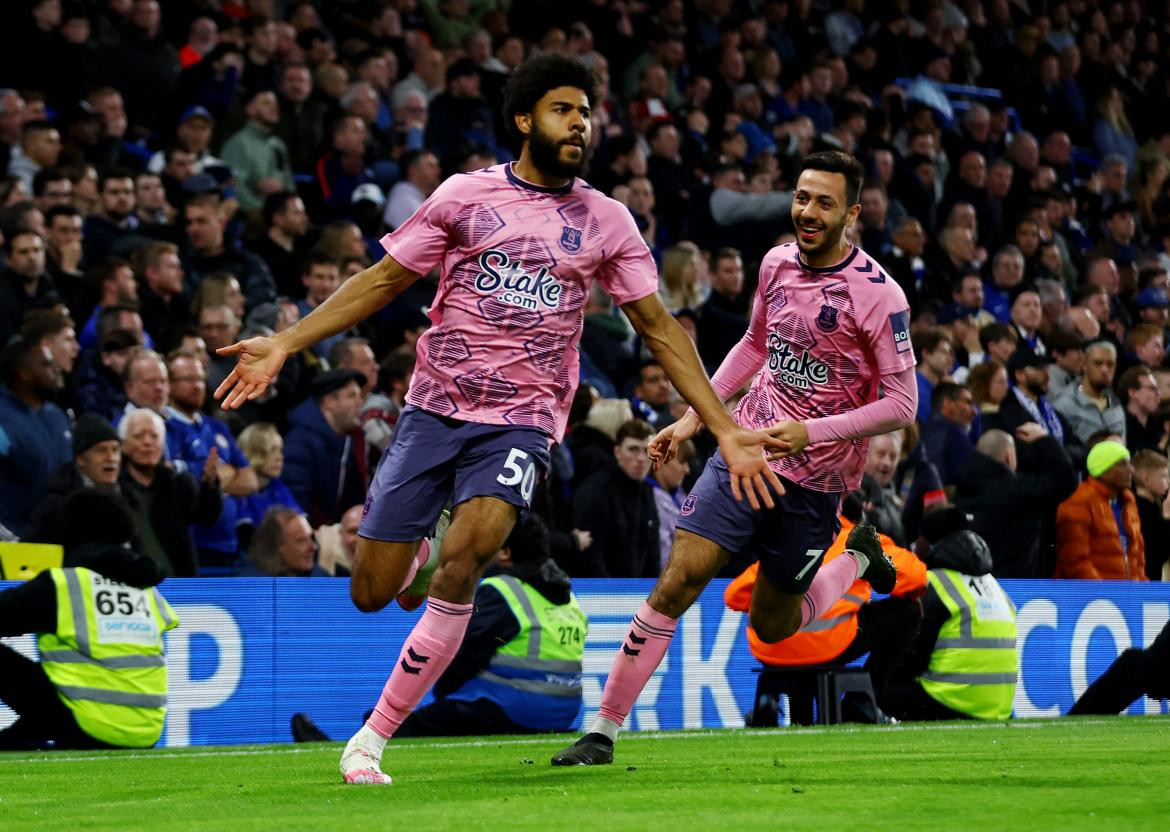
(365, 597)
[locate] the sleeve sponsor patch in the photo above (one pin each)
(900, 329)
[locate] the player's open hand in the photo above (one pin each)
(260, 360)
(744, 452)
(791, 438)
(664, 445)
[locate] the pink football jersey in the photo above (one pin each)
(828, 335)
(517, 261)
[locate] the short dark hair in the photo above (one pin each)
(529, 540)
(725, 253)
(318, 258)
(14, 357)
(106, 269)
(1062, 341)
(1086, 291)
(656, 128)
(535, 77)
(997, 332)
(1146, 275)
(309, 36)
(274, 204)
(834, 161)
(406, 162)
(928, 340)
(110, 318)
(36, 125)
(621, 145)
(171, 149)
(946, 391)
(60, 211)
(11, 233)
(1131, 380)
(255, 21)
(397, 366)
(1098, 436)
(649, 362)
(633, 429)
(341, 351)
(44, 176)
(41, 323)
(114, 173)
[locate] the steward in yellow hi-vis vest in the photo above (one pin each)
(102, 678)
(519, 667)
(964, 661)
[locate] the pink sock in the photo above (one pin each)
(420, 557)
(830, 583)
(428, 650)
(635, 663)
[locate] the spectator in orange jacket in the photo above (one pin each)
(854, 625)
(1098, 532)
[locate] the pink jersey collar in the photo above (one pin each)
(827, 269)
(540, 189)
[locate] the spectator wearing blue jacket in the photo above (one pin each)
(946, 435)
(936, 357)
(324, 451)
(191, 436)
(35, 439)
(263, 445)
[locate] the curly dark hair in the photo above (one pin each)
(535, 77)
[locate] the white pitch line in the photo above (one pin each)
(753, 733)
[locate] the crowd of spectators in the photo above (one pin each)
(183, 175)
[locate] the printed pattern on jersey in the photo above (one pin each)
(516, 266)
(825, 335)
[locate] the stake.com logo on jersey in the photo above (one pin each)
(793, 369)
(512, 284)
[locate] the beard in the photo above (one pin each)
(546, 155)
(1037, 387)
(828, 241)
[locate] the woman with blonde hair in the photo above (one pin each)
(1112, 132)
(1148, 180)
(683, 276)
(263, 445)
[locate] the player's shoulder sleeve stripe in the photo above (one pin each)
(870, 270)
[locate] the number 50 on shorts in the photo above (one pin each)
(520, 470)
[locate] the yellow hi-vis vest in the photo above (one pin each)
(536, 677)
(106, 657)
(974, 664)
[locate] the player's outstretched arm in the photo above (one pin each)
(260, 359)
(743, 450)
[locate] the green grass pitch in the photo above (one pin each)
(1092, 774)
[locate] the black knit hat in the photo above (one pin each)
(89, 430)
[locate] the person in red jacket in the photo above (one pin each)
(1098, 531)
(853, 626)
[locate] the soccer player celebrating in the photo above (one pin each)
(829, 329)
(519, 247)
